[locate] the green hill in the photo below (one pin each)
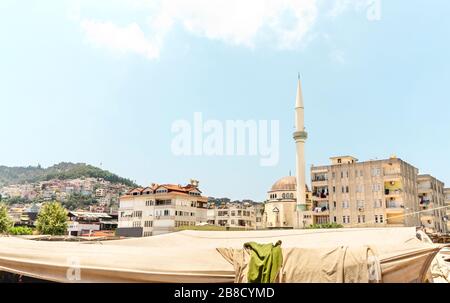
(62, 171)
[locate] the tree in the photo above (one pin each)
(5, 221)
(52, 219)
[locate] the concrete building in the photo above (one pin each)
(432, 202)
(447, 203)
(86, 223)
(281, 205)
(238, 215)
(376, 193)
(160, 209)
(300, 135)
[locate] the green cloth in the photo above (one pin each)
(265, 262)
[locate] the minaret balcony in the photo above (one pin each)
(300, 135)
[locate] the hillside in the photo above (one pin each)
(63, 170)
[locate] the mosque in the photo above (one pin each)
(289, 200)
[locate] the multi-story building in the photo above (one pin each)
(432, 204)
(241, 215)
(280, 208)
(447, 204)
(160, 209)
(373, 193)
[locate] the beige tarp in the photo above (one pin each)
(192, 256)
(340, 264)
(440, 267)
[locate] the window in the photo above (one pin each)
(376, 187)
(334, 189)
(376, 172)
(361, 218)
(346, 219)
(334, 204)
(345, 204)
(166, 212)
(346, 189)
(334, 219)
(342, 174)
(377, 203)
(339, 161)
(381, 218)
(360, 188)
(148, 224)
(360, 204)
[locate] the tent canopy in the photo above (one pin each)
(192, 256)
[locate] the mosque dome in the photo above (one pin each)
(285, 183)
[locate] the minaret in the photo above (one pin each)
(300, 136)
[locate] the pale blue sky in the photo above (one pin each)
(70, 92)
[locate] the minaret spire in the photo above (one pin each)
(300, 137)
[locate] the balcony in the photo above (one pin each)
(392, 192)
(319, 178)
(164, 217)
(395, 206)
(321, 209)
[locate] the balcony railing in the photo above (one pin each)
(394, 204)
(319, 179)
(321, 195)
(392, 191)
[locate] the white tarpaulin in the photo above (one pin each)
(192, 256)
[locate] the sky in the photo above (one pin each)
(102, 82)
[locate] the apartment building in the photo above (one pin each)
(160, 209)
(376, 193)
(447, 204)
(239, 215)
(432, 202)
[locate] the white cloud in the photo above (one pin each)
(128, 39)
(281, 24)
(341, 6)
(243, 23)
(337, 56)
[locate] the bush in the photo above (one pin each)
(5, 220)
(325, 225)
(52, 219)
(20, 230)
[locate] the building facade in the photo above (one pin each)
(281, 206)
(447, 209)
(377, 193)
(237, 215)
(432, 204)
(160, 209)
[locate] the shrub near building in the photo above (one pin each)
(5, 221)
(52, 219)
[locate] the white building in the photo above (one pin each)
(160, 209)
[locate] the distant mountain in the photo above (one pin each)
(62, 171)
